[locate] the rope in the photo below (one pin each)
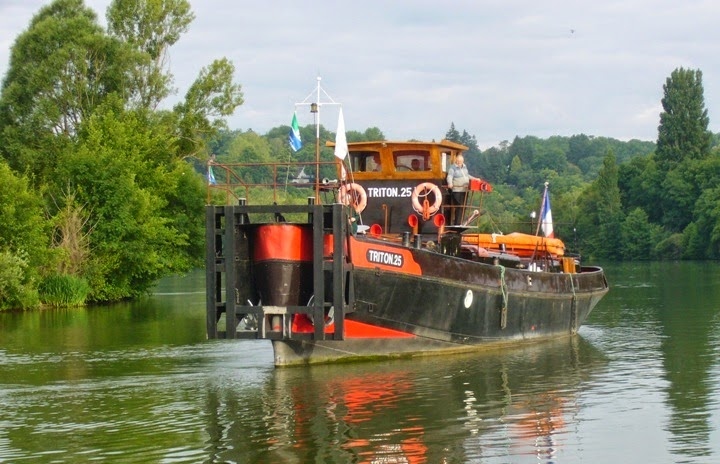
(503, 289)
(503, 285)
(573, 307)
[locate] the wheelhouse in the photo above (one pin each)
(399, 186)
(402, 160)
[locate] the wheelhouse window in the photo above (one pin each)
(365, 161)
(412, 160)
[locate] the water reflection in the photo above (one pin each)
(458, 409)
(139, 382)
(678, 304)
(688, 312)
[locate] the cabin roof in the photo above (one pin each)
(384, 143)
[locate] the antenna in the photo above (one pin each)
(315, 106)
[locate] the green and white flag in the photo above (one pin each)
(294, 138)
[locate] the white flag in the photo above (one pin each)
(341, 147)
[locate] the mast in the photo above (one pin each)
(315, 109)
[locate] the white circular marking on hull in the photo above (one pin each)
(468, 298)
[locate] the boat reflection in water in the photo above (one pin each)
(487, 406)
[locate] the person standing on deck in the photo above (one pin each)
(458, 181)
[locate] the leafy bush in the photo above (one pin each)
(16, 291)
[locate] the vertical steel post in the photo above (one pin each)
(230, 271)
(211, 274)
(338, 268)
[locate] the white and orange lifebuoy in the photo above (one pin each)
(425, 208)
(354, 194)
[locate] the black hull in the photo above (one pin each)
(322, 295)
(455, 306)
(508, 304)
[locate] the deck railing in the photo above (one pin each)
(237, 179)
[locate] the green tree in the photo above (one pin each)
(23, 241)
(683, 139)
(683, 131)
(150, 28)
(516, 171)
(23, 226)
(79, 115)
(452, 134)
(609, 208)
(469, 141)
(638, 236)
(145, 212)
(553, 158)
(600, 213)
(493, 164)
(250, 147)
(209, 100)
(370, 135)
(524, 148)
(373, 133)
(702, 237)
(630, 181)
(580, 147)
(61, 68)
(678, 196)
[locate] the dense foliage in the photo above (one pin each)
(90, 151)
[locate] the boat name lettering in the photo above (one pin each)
(384, 257)
(389, 192)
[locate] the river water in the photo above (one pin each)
(138, 383)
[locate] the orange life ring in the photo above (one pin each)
(423, 190)
(355, 194)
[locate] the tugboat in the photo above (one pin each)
(370, 267)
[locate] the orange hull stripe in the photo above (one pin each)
(372, 255)
(353, 329)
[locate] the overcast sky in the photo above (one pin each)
(497, 68)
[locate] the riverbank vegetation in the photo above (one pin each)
(97, 187)
(104, 183)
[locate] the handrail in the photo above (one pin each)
(230, 177)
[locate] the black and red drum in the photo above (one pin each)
(282, 263)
